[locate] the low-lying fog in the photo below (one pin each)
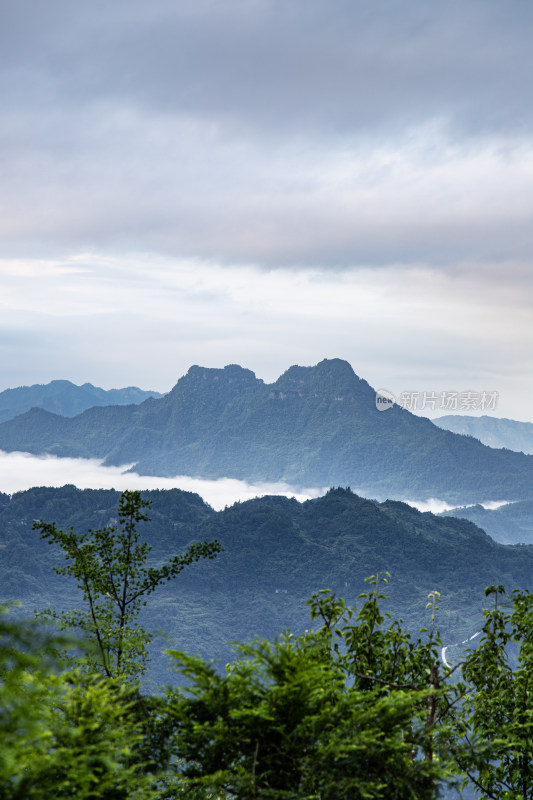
(20, 471)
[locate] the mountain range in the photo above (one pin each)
(509, 524)
(277, 552)
(65, 398)
(315, 426)
(492, 431)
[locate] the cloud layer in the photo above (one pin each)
(268, 183)
(21, 471)
(146, 321)
(277, 134)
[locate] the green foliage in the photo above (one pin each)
(492, 736)
(277, 553)
(353, 709)
(65, 734)
(340, 712)
(109, 565)
(86, 744)
(356, 708)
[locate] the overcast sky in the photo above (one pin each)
(268, 182)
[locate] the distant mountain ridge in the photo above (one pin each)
(66, 398)
(492, 431)
(509, 524)
(315, 426)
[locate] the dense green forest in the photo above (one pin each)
(353, 707)
(277, 553)
(315, 426)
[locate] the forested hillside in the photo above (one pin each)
(352, 705)
(277, 552)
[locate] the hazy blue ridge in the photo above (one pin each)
(315, 426)
(66, 399)
(492, 431)
(509, 524)
(277, 553)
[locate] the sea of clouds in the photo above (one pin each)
(21, 471)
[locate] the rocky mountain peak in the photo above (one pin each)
(332, 376)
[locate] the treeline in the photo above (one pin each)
(277, 553)
(355, 707)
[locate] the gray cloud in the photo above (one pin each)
(275, 133)
(144, 322)
(162, 163)
(302, 66)
(123, 182)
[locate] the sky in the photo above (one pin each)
(268, 183)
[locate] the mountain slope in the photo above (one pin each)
(65, 398)
(277, 553)
(509, 524)
(492, 431)
(315, 426)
